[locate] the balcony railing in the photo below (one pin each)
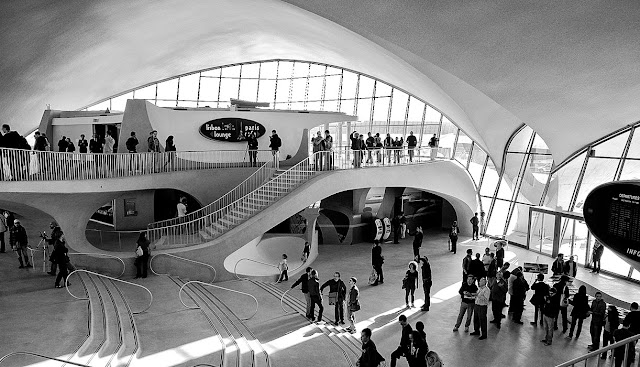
(30, 165)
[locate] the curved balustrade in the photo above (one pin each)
(215, 274)
(219, 287)
(255, 261)
(31, 165)
(255, 180)
(40, 356)
(282, 301)
(66, 284)
(595, 355)
(124, 266)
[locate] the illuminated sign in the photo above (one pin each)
(231, 129)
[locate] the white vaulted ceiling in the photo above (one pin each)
(570, 70)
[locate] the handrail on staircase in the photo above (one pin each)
(66, 284)
(597, 353)
(219, 287)
(124, 266)
(255, 261)
(6, 356)
(282, 300)
(215, 273)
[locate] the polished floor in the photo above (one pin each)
(35, 317)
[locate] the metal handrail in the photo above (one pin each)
(598, 352)
(255, 180)
(66, 284)
(215, 273)
(216, 286)
(41, 356)
(282, 300)
(33, 165)
(124, 266)
(255, 261)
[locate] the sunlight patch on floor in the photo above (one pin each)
(292, 338)
(186, 352)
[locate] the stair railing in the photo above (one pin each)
(219, 287)
(282, 301)
(188, 233)
(255, 180)
(235, 272)
(183, 259)
(627, 343)
(124, 266)
(66, 284)
(33, 165)
(6, 356)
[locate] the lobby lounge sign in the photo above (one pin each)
(612, 213)
(231, 129)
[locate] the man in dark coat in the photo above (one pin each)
(395, 228)
(376, 261)
(370, 356)
(520, 288)
(405, 341)
(417, 242)
(426, 282)
(19, 242)
(304, 281)
(337, 294)
(476, 267)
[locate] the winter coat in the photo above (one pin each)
(580, 304)
(18, 237)
(336, 286)
(304, 280)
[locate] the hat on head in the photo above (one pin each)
(16, 221)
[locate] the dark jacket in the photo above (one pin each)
(354, 294)
(376, 256)
(131, 144)
(557, 267)
(12, 140)
(500, 254)
(412, 141)
(336, 286)
(275, 143)
(145, 247)
(56, 233)
(426, 271)
(405, 342)
(468, 288)
(411, 279)
(453, 233)
(598, 309)
(466, 263)
(499, 291)
(474, 221)
(550, 307)
(70, 147)
(95, 146)
(620, 335)
(614, 319)
(370, 356)
(493, 269)
(252, 143)
(562, 291)
(304, 280)
(169, 146)
(520, 287)
(18, 236)
(417, 239)
(82, 145)
(314, 287)
(567, 268)
(540, 290)
(580, 304)
(476, 268)
(633, 318)
(59, 255)
(41, 143)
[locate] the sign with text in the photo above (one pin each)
(535, 268)
(231, 129)
(387, 228)
(379, 229)
(612, 213)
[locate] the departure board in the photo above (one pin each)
(624, 217)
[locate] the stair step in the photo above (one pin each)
(97, 323)
(205, 234)
(129, 346)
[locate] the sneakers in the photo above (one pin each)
(412, 306)
(483, 337)
(475, 333)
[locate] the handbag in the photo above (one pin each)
(333, 298)
(373, 277)
(404, 282)
(139, 251)
(356, 306)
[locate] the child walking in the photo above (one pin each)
(283, 267)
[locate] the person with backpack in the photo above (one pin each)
(275, 143)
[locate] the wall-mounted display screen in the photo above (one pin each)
(231, 129)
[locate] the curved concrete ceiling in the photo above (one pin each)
(560, 67)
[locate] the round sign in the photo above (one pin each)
(231, 129)
(379, 229)
(387, 228)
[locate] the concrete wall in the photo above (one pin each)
(144, 206)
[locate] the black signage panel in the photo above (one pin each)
(231, 129)
(612, 213)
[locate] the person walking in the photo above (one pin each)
(467, 293)
(598, 310)
(55, 235)
(412, 142)
(283, 267)
(598, 249)
(306, 251)
(304, 288)
(337, 296)
(476, 227)
(611, 324)
(142, 259)
(370, 356)
(405, 341)
(376, 261)
(275, 143)
(580, 311)
(480, 309)
(252, 148)
(61, 257)
(550, 312)
(418, 349)
(417, 242)
(353, 304)
(453, 236)
(410, 283)
(498, 298)
(19, 241)
(562, 296)
(426, 282)
(540, 291)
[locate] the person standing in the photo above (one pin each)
(318, 146)
(3, 228)
(467, 293)
(132, 143)
(611, 324)
(453, 236)
(328, 150)
(540, 291)
(54, 237)
(62, 144)
(284, 268)
(275, 143)
(378, 147)
(412, 142)
(480, 309)
(520, 288)
(498, 298)
(19, 241)
(558, 265)
(433, 145)
(410, 282)
(395, 228)
(306, 251)
(252, 148)
(475, 223)
(417, 351)
(82, 144)
(598, 310)
(499, 253)
(570, 267)
(170, 149)
(598, 249)
(562, 297)
(370, 145)
(417, 242)
(370, 356)
(619, 353)
(580, 311)
(492, 271)
(403, 225)
(70, 147)
(153, 144)
(634, 318)
(426, 282)
(388, 146)
(397, 150)
(95, 146)
(355, 149)
(476, 267)
(142, 260)
(60, 257)
(405, 341)
(376, 261)
(304, 282)
(550, 312)
(181, 207)
(466, 263)
(41, 143)
(109, 142)
(353, 304)
(337, 296)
